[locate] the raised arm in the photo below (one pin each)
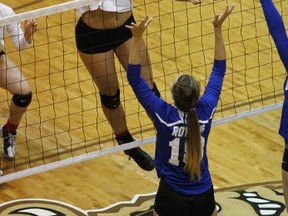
(137, 31)
(277, 29)
(213, 88)
(31, 27)
(219, 50)
(21, 39)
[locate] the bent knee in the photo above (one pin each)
(111, 102)
(22, 100)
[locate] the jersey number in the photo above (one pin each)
(175, 144)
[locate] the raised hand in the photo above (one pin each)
(219, 19)
(138, 29)
(31, 27)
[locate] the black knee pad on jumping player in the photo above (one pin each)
(22, 100)
(155, 90)
(111, 102)
(285, 160)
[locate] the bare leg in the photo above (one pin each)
(215, 212)
(102, 69)
(146, 70)
(122, 53)
(154, 213)
(101, 66)
(12, 79)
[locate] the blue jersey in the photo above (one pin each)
(171, 127)
(277, 30)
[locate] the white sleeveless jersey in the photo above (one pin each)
(108, 5)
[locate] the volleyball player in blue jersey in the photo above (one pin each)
(182, 130)
(277, 30)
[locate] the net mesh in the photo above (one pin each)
(64, 123)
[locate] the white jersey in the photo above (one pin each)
(14, 30)
(108, 5)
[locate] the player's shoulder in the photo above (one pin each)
(6, 10)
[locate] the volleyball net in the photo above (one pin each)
(64, 123)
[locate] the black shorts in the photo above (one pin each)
(2, 52)
(285, 159)
(92, 41)
(168, 202)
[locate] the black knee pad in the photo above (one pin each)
(22, 100)
(285, 160)
(155, 90)
(111, 102)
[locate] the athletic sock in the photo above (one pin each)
(10, 127)
(124, 137)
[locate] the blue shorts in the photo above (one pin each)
(92, 41)
(169, 202)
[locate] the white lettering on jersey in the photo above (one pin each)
(179, 131)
